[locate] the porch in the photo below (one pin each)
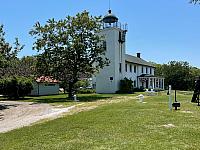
(151, 82)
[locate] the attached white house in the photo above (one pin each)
(122, 65)
(45, 86)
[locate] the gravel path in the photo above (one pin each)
(19, 114)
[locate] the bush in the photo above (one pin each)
(86, 91)
(158, 90)
(141, 89)
(15, 87)
(126, 86)
(84, 83)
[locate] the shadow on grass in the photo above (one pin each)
(20, 99)
(58, 99)
(92, 98)
(50, 100)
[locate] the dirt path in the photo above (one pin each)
(19, 114)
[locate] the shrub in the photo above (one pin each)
(141, 89)
(158, 90)
(126, 86)
(86, 91)
(84, 83)
(15, 87)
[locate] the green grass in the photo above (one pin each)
(61, 99)
(127, 124)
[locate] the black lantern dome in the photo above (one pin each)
(110, 18)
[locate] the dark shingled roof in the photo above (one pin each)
(136, 60)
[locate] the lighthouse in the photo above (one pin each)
(107, 79)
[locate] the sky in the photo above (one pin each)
(161, 30)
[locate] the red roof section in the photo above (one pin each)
(46, 79)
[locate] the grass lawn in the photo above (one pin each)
(61, 99)
(126, 124)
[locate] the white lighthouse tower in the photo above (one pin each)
(108, 78)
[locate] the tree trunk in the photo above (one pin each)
(70, 92)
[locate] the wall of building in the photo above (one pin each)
(131, 73)
(45, 89)
(108, 78)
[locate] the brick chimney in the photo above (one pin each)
(138, 55)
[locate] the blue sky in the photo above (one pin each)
(162, 30)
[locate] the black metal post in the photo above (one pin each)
(175, 96)
(198, 98)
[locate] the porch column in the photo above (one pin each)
(153, 80)
(158, 83)
(138, 83)
(149, 83)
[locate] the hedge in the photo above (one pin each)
(15, 87)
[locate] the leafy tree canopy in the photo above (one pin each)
(8, 54)
(70, 48)
(179, 74)
(195, 1)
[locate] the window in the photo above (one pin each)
(150, 70)
(142, 69)
(134, 69)
(126, 67)
(146, 70)
(130, 68)
(120, 67)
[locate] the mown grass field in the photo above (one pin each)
(124, 124)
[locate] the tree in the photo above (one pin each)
(195, 1)
(8, 54)
(179, 74)
(158, 70)
(13, 71)
(20, 67)
(27, 66)
(15, 87)
(71, 48)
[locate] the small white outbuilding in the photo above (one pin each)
(45, 86)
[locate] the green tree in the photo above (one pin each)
(70, 48)
(158, 70)
(8, 54)
(195, 1)
(15, 87)
(27, 66)
(179, 74)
